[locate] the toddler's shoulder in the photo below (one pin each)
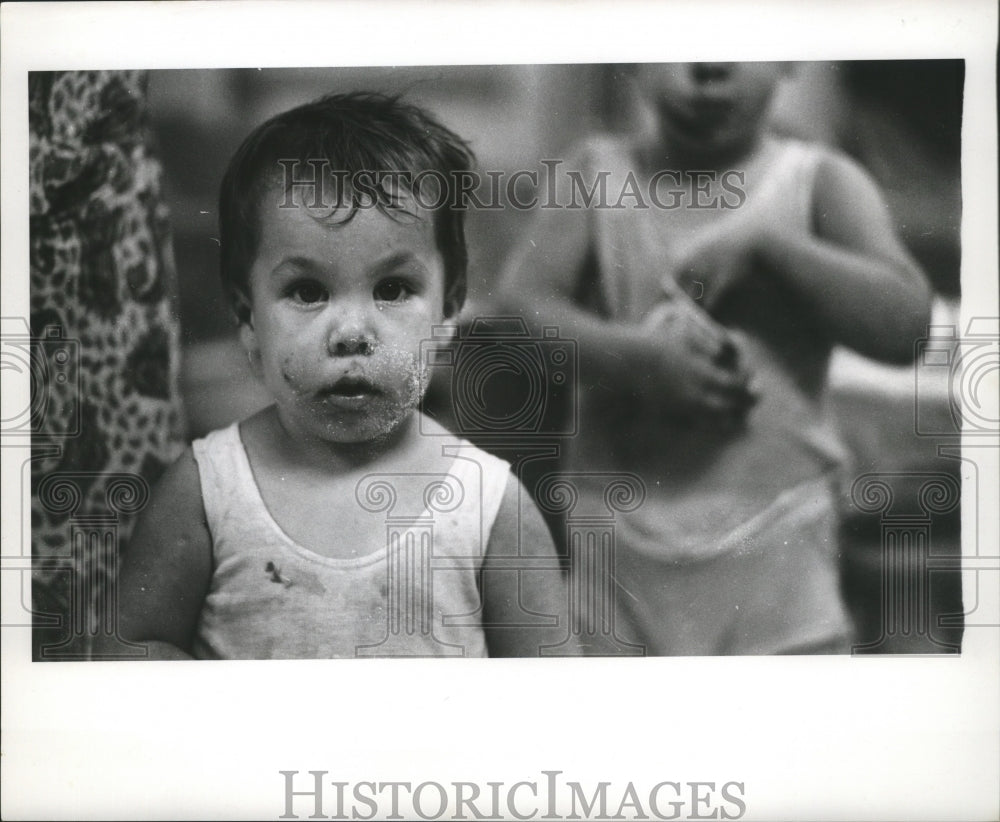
(831, 178)
(216, 447)
(825, 160)
(179, 486)
(440, 442)
(216, 437)
(841, 182)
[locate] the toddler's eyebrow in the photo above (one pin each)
(396, 260)
(298, 261)
(310, 266)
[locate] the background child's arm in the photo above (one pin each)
(680, 367)
(168, 567)
(858, 278)
(853, 275)
(541, 591)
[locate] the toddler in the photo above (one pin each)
(707, 291)
(336, 522)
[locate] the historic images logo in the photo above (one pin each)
(545, 797)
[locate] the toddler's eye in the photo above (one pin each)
(308, 292)
(392, 291)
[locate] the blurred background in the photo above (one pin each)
(901, 119)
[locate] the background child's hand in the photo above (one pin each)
(692, 368)
(721, 261)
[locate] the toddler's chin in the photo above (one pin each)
(373, 427)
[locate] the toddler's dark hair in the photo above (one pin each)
(346, 137)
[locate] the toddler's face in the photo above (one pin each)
(709, 109)
(338, 313)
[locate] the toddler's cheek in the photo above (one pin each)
(407, 371)
(294, 374)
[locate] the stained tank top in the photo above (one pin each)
(416, 594)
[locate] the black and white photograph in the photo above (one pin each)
(670, 377)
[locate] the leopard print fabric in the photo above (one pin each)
(102, 275)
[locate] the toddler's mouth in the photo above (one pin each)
(705, 117)
(349, 389)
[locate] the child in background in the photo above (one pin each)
(269, 538)
(706, 303)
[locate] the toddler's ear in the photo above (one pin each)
(442, 336)
(248, 339)
(447, 328)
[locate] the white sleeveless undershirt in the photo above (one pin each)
(704, 487)
(416, 594)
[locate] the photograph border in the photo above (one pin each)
(809, 738)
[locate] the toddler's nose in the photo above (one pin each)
(350, 346)
(351, 336)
